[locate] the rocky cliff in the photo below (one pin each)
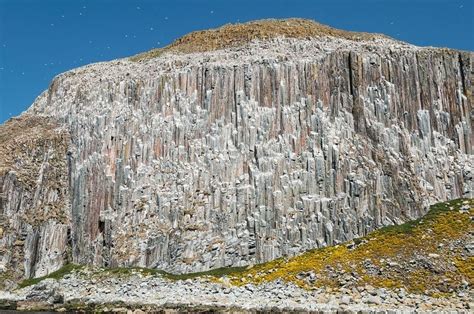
(203, 155)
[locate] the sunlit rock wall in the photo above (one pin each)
(34, 198)
(233, 157)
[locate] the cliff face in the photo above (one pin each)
(34, 198)
(236, 156)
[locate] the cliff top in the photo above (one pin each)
(232, 35)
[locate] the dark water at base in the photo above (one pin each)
(164, 311)
(36, 312)
(170, 311)
(32, 312)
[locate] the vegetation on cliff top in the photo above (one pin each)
(232, 35)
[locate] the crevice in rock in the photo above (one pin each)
(235, 96)
(101, 226)
(463, 75)
(420, 92)
(351, 84)
(34, 253)
(68, 245)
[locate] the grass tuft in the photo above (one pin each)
(127, 271)
(60, 273)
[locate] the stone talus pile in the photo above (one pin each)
(87, 292)
(233, 157)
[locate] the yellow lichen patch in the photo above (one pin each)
(424, 256)
(232, 35)
(465, 267)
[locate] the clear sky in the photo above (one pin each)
(42, 38)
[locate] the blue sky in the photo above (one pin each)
(42, 38)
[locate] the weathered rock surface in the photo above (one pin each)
(34, 197)
(188, 162)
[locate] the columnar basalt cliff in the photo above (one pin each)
(236, 154)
